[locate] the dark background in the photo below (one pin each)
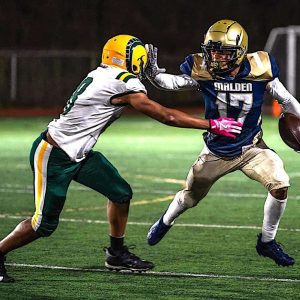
(177, 27)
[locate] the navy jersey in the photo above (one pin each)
(240, 98)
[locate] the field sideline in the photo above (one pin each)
(209, 254)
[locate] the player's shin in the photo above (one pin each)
(117, 214)
(273, 210)
(22, 235)
(175, 209)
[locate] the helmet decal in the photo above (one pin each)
(129, 52)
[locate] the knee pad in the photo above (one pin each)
(275, 175)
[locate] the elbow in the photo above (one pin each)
(169, 119)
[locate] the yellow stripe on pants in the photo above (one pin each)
(39, 183)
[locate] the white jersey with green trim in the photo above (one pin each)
(89, 111)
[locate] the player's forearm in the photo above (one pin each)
(168, 116)
(174, 82)
(222, 126)
(288, 103)
(179, 119)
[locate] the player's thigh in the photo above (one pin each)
(99, 174)
(206, 170)
(53, 172)
(266, 167)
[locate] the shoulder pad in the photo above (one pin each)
(199, 71)
(262, 66)
(125, 76)
(194, 66)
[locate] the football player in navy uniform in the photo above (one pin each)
(64, 151)
(233, 84)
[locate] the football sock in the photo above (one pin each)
(174, 210)
(116, 243)
(273, 211)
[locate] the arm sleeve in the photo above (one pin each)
(178, 82)
(288, 103)
(175, 82)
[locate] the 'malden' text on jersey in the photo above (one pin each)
(233, 87)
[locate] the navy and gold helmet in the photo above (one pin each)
(126, 52)
(225, 36)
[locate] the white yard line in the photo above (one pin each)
(195, 225)
(213, 194)
(19, 189)
(160, 274)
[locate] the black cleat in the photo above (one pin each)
(274, 251)
(125, 260)
(4, 278)
(157, 231)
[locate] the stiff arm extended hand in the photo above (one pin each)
(152, 68)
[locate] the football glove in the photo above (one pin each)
(225, 126)
(152, 68)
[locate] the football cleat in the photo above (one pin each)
(4, 278)
(274, 251)
(157, 231)
(125, 260)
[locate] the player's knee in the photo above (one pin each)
(276, 179)
(189, 202)
(280, 193)
(47, 226)
(187, 199)
(278, 187)
(123, 194)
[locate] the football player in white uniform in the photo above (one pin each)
(64, 151)
(233, 84)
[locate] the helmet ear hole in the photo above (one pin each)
(134, 68)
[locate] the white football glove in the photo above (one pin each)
(152, 68)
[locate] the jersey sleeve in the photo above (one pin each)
(187, 66)
(134, 85)
(127, 83)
